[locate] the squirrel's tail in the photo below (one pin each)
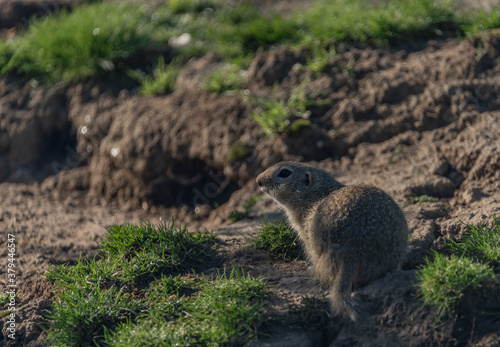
(341, 301)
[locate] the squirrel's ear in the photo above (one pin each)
(308, 179)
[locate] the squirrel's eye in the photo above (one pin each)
(284, 173)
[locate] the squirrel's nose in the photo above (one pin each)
(259, 182)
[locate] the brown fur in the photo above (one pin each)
(351, 234)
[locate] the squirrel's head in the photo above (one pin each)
(295, 185)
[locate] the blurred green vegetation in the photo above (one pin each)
(227, 78)
(74, 46)
(276, 115)
(100, 37)
(361, 20)
(161, 81)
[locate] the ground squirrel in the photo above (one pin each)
(351, 234)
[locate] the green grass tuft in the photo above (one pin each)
(320, 62)
(242, 28)
(234, 30)
(235, 216)
(444, 282)
(279, 240)
(247, 204)
(131, 252)
(238, 151)
(252, 200)
(481, 243)
(169, 296)
(151, 249)
(86, 272)
(4, 298)
(478, 21)
(228, 78)
(6, 53)
(161, 81)
(272, 115)
(275, 115)
(167, 286)
(195, 6)
(83, 314)
(422, 198)
(143, 333)
(469, 274)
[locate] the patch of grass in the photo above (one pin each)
(170, 286)
(252, 200)
(444, 282)
(242, 61)
(131, 252)
(195, 6)
(4, 298)
(6, 54)
(152, 249)
(83, 314)
(247, 204)
(86, 272)
(231, 30)
(470, 272)
(238, 151)
(272, 115)
(478, 21)
(361, 20)
(275, 115)
(97, 38)
(235, 216)
(481, 243)
(228, 78)
(100, 305)
(169, 295)
(422, 198)
(226, 310)
(279, 240)
(320, 61)
(84, 43)
(96, 295)
(161, 81)
(242, 28)
(143, 333)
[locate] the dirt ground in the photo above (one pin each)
(419, 118)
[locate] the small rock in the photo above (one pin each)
(180, 41)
